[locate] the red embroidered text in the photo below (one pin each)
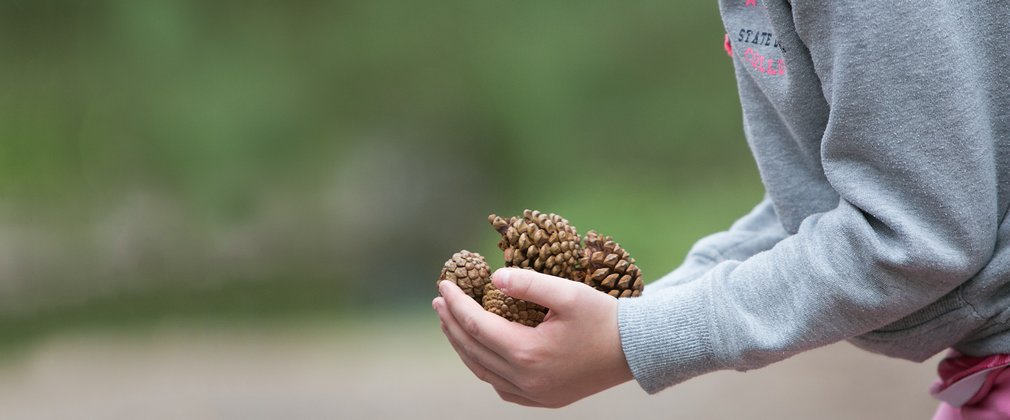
(764, 64)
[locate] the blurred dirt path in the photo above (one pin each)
(397, 369)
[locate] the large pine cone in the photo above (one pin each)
(609, 268)
(469, 271)
(546, 243)
(515, 310)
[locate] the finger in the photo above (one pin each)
(517, 399)
(470, 350)
(486, 374)
(550, 291)
(478, 370)
(493, 331)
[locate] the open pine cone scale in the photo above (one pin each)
(546, 243)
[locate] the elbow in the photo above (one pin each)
(944, 260)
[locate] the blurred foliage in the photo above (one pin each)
(330, 155)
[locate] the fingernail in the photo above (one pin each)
(442, 286)
(434, 304)
(501, 279)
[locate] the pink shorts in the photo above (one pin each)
(973, 387)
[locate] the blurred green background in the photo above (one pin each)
(225, 209)
(191, 158)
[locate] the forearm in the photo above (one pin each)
(909, 158)
(831, 281)
(757, 231)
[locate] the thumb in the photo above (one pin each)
(550, 291)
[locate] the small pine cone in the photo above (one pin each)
(543, 242)
(515, 310)
(469, 271)
(609, 268)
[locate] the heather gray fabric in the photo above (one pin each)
(758, 231)
(880, 130)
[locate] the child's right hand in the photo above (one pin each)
(574, 353)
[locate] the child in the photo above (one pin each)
(882, 134)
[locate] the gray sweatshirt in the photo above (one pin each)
(882, 134)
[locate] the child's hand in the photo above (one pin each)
(574, 353)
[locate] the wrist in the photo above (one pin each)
(618, 371)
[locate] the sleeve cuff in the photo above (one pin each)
(666, 336)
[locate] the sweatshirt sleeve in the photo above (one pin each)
(756, 231)
(909, 151)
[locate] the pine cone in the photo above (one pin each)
(515, 310)
(469, 271)
(609, 268)
(545, 243)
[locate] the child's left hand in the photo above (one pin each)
(574, 353)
